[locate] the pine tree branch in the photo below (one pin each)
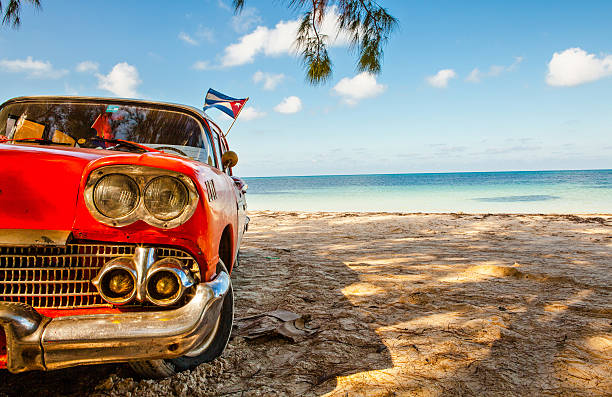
(314, 22)
(12, 12)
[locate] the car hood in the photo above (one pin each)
(39, 185)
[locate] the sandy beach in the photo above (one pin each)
(403, 304)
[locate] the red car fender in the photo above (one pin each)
(200, 235)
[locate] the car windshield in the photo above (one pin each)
(93, 125)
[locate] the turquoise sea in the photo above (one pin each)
(577, 192)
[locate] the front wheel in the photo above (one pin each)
(157, 369)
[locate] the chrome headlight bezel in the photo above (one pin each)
(142, 175)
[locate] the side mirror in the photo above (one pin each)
(229, 159)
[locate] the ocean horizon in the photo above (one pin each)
(547, 192)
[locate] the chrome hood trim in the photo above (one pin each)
(29, 237)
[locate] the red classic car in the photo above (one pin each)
(120, 223)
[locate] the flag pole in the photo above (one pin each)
(230, 127)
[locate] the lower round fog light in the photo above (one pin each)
(163, 288)
(116, 281)
(166, 286)
(121, 284)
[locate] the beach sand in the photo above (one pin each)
(404, 304)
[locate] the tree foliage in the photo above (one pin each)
(367, 23)
(12, 11)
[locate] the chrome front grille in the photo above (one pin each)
(60, 277)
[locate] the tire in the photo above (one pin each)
(164, 368)
(237, 261)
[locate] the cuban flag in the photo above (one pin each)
(228, 105)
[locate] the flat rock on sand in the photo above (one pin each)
(403, 304)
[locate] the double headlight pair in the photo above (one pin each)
(121, 195)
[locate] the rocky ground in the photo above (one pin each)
(403, 304)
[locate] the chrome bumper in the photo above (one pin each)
(35, 342)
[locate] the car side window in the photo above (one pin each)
(218, 149)
(207, 156)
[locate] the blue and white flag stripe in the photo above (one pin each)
(225, 107)
(226, 104)
(213, 96)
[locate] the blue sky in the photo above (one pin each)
(466, 85)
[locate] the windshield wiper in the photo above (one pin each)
(118, 142)
(42, 141)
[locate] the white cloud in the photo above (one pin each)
(250, 113)
(496, 70)
(187, 39)
(517, 61)
(278, 40)
(441, 79)
(362, 86)
(224, 5)
(476, 75)
(289, 105)
(87, 67)
(202, 34)
(32, 68)
(123, 80)
(244, 21)
(201, 65)
(269, 41)
(205, 34)
(270, 81)
(575, 66)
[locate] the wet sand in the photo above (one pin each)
(404, 304)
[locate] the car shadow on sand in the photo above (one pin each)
(473, 306)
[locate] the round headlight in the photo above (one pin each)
(166, 197)
(115, 195)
